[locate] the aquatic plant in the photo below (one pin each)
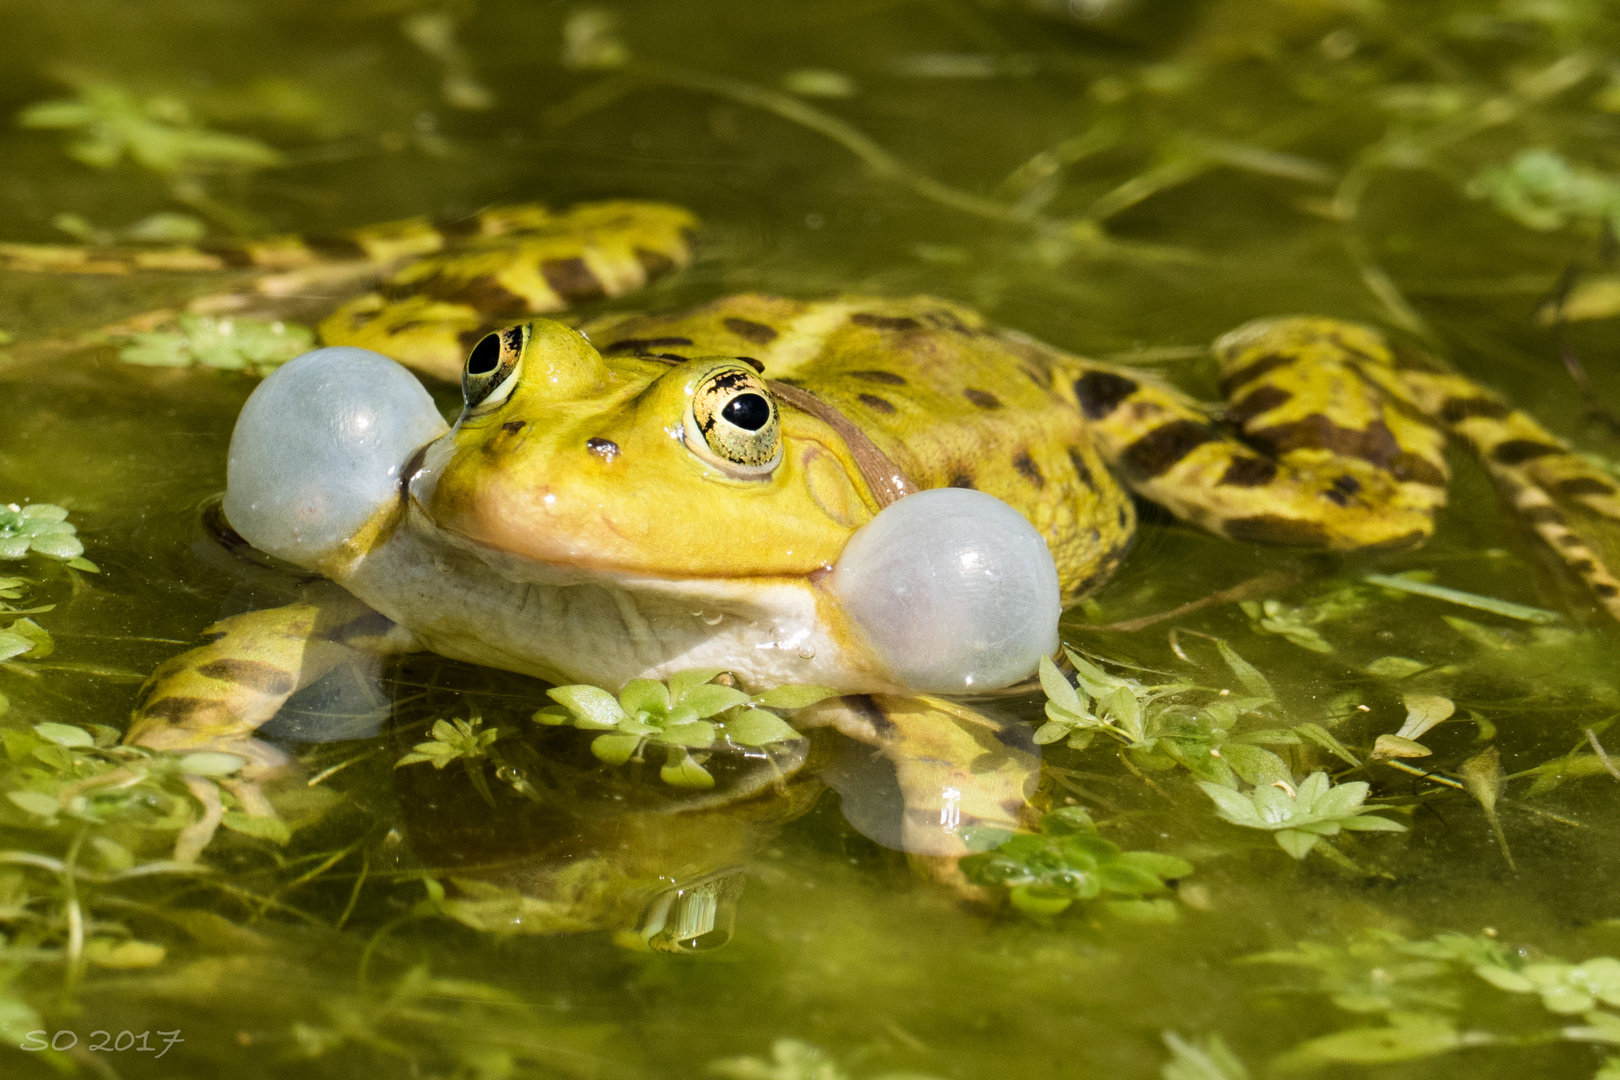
(684, 716)
(225, 343)
(1045, 873)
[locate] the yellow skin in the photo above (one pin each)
(572, 526)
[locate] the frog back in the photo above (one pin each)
(952, 401)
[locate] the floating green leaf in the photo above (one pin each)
(37, 527)
(253, 346)
(689, 712)
(1299, 817)
(453, 740)
(157, 133)
(64, 735)
(1044, 873)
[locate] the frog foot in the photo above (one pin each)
(263, 764)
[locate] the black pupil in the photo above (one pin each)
(486, 356)
(748, 411)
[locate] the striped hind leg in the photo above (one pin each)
(1334, 452)
(1573, 505)
(437, 289)
(216, 696)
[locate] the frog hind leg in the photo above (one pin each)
(1572, 504)
(215, 696)
(955, 767)
(438, 288)
(519, 262)
(1334, 452)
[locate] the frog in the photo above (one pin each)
(887, 496)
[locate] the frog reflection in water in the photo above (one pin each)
(886, 496)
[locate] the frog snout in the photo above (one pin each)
(318, 449)
(953, 590)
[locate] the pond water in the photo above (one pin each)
(1123, 180)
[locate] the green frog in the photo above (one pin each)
(887, 496)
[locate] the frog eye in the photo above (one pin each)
(734, 424)
(492, 368)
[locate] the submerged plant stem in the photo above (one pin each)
(74, 970)
(1603, 755)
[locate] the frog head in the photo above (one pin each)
(690, 470)
(696, 479)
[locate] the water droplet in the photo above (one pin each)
(807, 652)
(713, 620)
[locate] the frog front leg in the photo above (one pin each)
(957, 769)
(216, 696)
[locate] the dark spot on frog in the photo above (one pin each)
(1542, 515)
(1248, 472)
(1374, 444)
(757, 365)
(1124, 518)
(1253, 370)
(1458, 409)
(1342, 490)
(875, 403)
(606, 449)
(946, 320)
(963, 479)
(514, 426)
(982, 399)
(1518, 451)
(884, 322)
(641, 345)
(1081, 469)
(1026, 465)
(1570, 540)
(1583, 566)
(758, 333)
(1416, 469)
(485, 295)
(253, 674)
(188, 710)
(887, 378)
(866, 709)
(1261, 401)
(655, 264)
(1100, 392)
(1275, 529)
(1155, 453)
(1584, 485)
(1605, 590)
(571, 279)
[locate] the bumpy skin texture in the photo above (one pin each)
(585, 466)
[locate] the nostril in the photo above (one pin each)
(606, 449)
